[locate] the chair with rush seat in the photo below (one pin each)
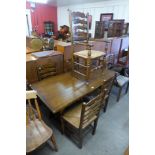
(77, 120)
(37, 132)
(85, 62)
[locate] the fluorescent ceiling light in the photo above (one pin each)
(38, 1)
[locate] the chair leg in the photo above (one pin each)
(127, 88)
(62, 126)
(80, 140)
(106, 103)
(54, 142)
(94, 128)
(119, 93)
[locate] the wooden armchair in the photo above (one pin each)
(37, 132)
(83, 61)
(77, 120)
(46, 69)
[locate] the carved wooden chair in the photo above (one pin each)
(37, 132)
(77, 120)
(87, 61)
(46, 69)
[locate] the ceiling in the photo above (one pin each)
(71, 2)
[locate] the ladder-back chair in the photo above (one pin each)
(37, 132)
(78, 119)
(108, 86)
(87, 61)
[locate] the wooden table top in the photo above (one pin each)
(41, 54)
(94, 54)
(45, 53)
(58, 92)
(29, 57)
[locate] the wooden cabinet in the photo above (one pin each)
(115, 28)
(65, 49)
(99, 30)
(31, 64)
(126, 29)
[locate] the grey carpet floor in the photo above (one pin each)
(111, 138)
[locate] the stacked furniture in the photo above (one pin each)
(82, 61)
(76, 97)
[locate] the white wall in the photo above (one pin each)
(29, 23)
(118, 7)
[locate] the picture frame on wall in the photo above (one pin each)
(106, 16)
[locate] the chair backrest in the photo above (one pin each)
(107, 85)
(79, 25)
(46, 69)
(110, 60)
(90, 111)
(32, 107)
